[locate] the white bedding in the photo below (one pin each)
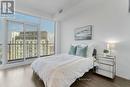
(61, 70)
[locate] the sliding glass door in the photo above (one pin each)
(15, 41)
(1, 41)
(26, 37)
(22, 40)
(31, 41)
(47, 40)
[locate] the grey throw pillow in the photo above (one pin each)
(72, 50)
(81, 51)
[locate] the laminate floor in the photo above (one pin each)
(23, 76)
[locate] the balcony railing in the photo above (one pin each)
(16, 50)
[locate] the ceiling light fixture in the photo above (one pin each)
(60, 11)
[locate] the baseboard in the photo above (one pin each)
(6, 66)
(124, 77)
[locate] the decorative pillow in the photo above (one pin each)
(73, 50)
(81, 51)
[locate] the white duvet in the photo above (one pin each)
(61, 70)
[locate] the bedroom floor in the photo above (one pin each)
(23, 77)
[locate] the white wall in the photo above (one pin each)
(111, 21)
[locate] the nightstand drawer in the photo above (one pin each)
(106, 62)
(105, 67)
(106, 59)
(104, 73)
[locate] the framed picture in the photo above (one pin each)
(83, 33)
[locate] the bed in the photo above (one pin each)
(61, 70)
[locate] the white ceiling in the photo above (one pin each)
(52, 7)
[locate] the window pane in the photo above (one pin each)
(23, 37)
(28, 36)
(15, 41)
(31, 40)
(47, 37)
(0, 53)
(1, 40)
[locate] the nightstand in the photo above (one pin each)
(106, 66)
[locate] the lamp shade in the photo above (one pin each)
(110, 46)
